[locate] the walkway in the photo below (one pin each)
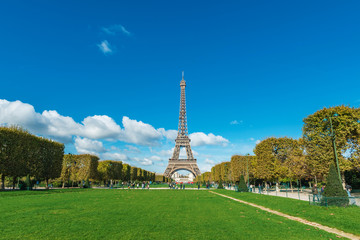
(301, 220)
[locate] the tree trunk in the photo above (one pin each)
(343, 179)
(291, 186)
(63, 184)
(2, 181)
(300, 184)
(13, 183)
(315, 180)
(47, 183)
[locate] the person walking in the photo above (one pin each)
(315, 192)
(348, 190)
(198, 186)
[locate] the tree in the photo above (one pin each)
(126, 174)
(79, 167)
(273, 156)
(22, 153)
(109, 170)
(225, 171)
(239, 165)
(317, 139)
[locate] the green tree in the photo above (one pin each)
(126, 173)
(318, 143)
(273, 155)
(239, 165)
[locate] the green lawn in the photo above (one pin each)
(346, 219)
(140, 214)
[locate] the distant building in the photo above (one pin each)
(183, 178)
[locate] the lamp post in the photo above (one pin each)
(333, 137)
(111, 181)
(247, 167)
(68, 165)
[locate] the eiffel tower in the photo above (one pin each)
(182, 141)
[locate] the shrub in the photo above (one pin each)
(87, 184)
(242, 185)
(22, 185)
(220, 186)
(334, 192)
(28, 183)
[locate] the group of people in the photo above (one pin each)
(252, 188)
(133, 185)
(315, 191)
(176, 186)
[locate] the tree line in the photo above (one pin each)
(284, 159)
(85, 167)
(23, 154)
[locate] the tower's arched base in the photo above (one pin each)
(182, 164)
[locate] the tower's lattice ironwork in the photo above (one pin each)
(182, 141)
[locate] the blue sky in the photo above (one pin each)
(103, 76)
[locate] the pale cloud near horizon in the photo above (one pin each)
(144, 161)
(115, 156)
(50, 123)
(209, 161)
(105, 47)
(87, 136)
(116, 28)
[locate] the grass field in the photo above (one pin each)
(140, 214)
(345, 219)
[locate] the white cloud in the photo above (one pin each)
(114, 156)
(200, 138)
(166, 153)
(208, 161)
(100, 127)
(139, 133)
(132, 148)
(252, 139)
(169, 134)
(155, 158)
(236, 122)
(205, 168)
(85, 145)
(116, 28)
(105, 47)
(145, 161)
(50, 123)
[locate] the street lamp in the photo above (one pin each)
(247, 166)
(333, 137)
(68, 165)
